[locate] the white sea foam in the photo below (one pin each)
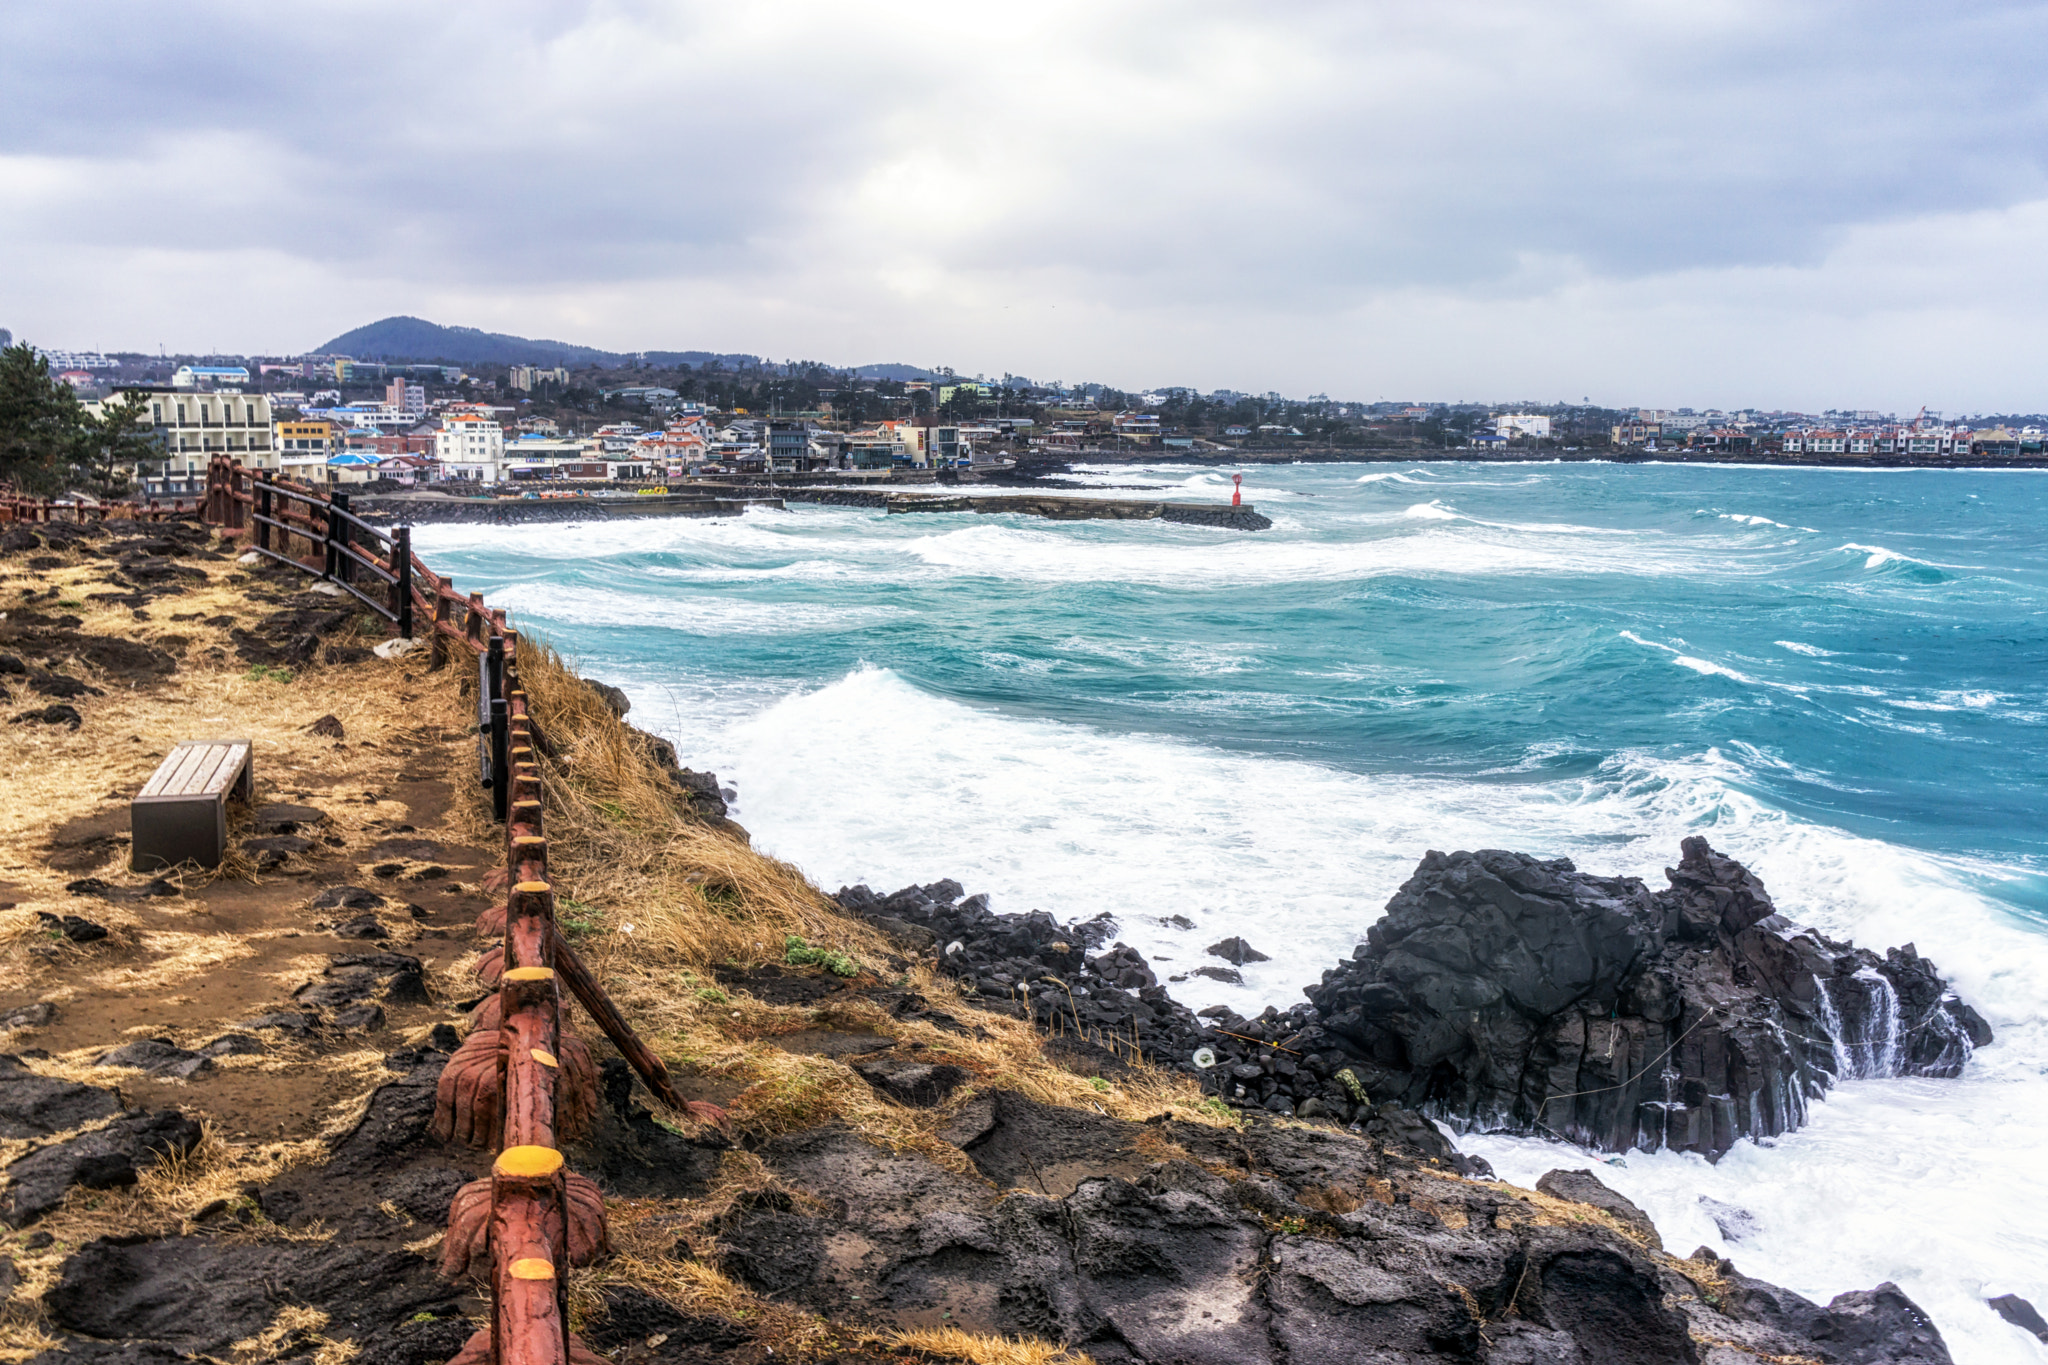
(1811, 651)
(1878, 556)
(1197, 561)
(1433, 510)
(696, 615)
(1394, 476)
(1712, 669)
(1902, 1180)
(870, 779)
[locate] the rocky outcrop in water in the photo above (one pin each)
(1502, 992)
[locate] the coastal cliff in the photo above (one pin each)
(1505, 993)
(912, 1168)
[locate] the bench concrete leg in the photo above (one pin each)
(167, 833)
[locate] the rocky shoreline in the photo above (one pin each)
(189, 1178)
(1502, 993)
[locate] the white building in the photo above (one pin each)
(470, 447)
(78, 360)
(1529, 425)
(526, 378)
(191, 428)
(208, 376)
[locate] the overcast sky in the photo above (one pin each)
(1690, 203)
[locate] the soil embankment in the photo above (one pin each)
(216, 1089)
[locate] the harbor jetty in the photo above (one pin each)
(1054, 507)
(730, 500)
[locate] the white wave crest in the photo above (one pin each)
(694, 615)
(1433, 510)
(1887, 1182)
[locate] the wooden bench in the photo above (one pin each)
(181, 812)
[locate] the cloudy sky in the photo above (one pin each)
(1696, 202)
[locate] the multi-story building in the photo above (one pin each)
(874, 449)
(1532, 426)
(304, 447)
(191, 428)
(1138, 428)
(927, 445)
(402, 395)
(527, 378)
(208, 376)
(789, 444)
(78, 360)
(470, 446)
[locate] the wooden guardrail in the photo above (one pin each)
(14, 508)
(275, 516)
(522, 1081)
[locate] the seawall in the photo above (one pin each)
(415, 511)
(1056, 508)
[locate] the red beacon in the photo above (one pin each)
(1237, 490)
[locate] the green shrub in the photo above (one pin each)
(577, 919)
(797, 953)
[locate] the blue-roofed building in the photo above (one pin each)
(353, 467)
(208, 376)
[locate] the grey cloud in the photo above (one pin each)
(868, 170)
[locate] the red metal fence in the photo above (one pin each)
(522, 1081)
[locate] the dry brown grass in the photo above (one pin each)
(58, 775)
(950, 1343)
(696, 894)
(643, 1232)
(165, 1201)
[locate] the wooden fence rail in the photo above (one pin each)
(14, 508)
(522, 1080)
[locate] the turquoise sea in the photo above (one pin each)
(1839, 677)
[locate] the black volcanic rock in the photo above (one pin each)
(106, 1158)
(1268, 1247)
(1502, 992)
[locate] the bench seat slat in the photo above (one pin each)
(170, 778)
(216, 771)
(192, 781)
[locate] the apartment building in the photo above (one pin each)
(470, 446)
(404, 396)
(304, 448)
(527, 378)
(192, 427)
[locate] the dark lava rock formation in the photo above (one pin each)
(1507, 993)
(1501, 992)
(1173, 1242)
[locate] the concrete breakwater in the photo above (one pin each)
(1052, 507)
(727, 501)
(428, 511)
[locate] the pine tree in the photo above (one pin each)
(42, 426)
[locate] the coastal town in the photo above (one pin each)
(334, 419)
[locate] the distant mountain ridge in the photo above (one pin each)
(409, 338)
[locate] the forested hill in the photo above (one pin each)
(407, 338)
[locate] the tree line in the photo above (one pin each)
(52, 443)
